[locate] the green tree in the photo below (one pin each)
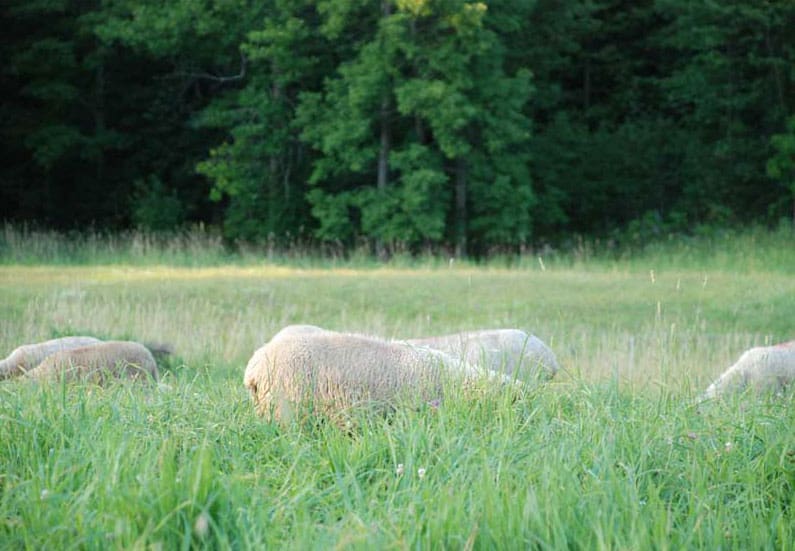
(730, 89)
(58, 115)
(427, 93)
(262, 165)
(195, 59)
(781, 166)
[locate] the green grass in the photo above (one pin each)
(611, 455)
(743, 250)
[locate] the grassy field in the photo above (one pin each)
(612, 454)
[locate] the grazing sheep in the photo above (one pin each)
(335, 371)
(28, 356)
(508, 351)
(763, 369)
(99, 363)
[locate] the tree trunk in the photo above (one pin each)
(273, 162)
(99, 118)
(383, 152)
(382, 179)
(460, 208)
(587, 85)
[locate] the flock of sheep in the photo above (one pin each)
(313, 369)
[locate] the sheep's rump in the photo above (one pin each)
(762, 369)
(99, 363)
(26, 357)
(509, 351)
(334, 372)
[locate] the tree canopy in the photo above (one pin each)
(405, 124)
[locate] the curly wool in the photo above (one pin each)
(509, 351)
(26, 357)
(762, 369)
(99, 363)
(337, 371)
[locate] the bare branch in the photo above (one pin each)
(216, 78)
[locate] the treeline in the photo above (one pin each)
(405, 124)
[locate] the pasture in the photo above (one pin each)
(613, 454)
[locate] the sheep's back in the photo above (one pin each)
(99, 363)
(28, 356)
(762, 368)
(502, 350)
(336, 371)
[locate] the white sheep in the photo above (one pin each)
(305, 365)
(509, 351)
(28, 356)
(98, 363)
(763, 369)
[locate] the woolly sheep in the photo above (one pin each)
(99, 363)
(28, 356)
(763, 368)
(510, 351)
(335, 371)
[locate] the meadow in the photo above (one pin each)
(612, 454)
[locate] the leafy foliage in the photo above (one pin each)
(405, 123)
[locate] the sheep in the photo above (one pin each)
(510, 351)
(763, 369)
(336, 371)
(28, 356)
(503, 350)
(99, 363)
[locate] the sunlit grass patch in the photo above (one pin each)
(615, 452)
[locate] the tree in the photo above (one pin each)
(262, 164)
(426, 90)
(193, 50)
(60, 78)
(731, 89)
(781, 166)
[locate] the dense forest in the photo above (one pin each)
(411, 124)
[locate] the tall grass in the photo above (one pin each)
(748, 249)
(613, 454)
(587, 468)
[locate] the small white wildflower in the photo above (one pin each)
(421, 473)
(202, 525)
(399, 469)
(727, 447)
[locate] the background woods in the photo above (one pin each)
(403, 124)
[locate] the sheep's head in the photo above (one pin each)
(251, 385)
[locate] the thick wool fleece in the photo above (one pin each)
(336, 371)
(763, 369)
(28, 356)
(509, 351)
(99, 363)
